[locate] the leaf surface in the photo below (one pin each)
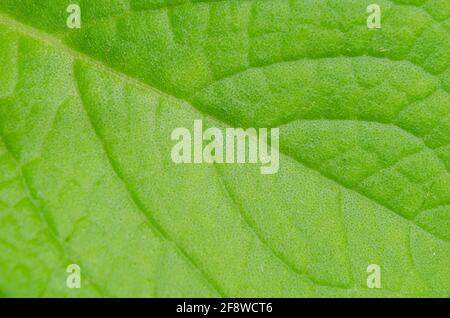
(85, 169)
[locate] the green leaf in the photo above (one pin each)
(86, 176)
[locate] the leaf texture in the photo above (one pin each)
(85, 169)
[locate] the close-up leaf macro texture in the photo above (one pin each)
(86, 176)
